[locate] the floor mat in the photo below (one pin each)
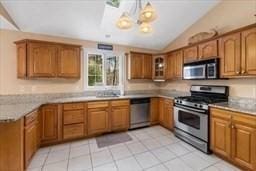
(112, 139)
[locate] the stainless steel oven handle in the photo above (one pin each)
(188, 109)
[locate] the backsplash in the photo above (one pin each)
(241, 88)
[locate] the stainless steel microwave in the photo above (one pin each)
(201, 70)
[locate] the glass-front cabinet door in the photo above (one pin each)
(159, 68)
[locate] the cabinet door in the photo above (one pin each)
(98, 121)
(249, 52)
(147, 66)
(159, 67)
(244, 141)
(178, 64)
(30, 142)
(170, 66)
(229, 50)
(136, 66)
(154, 110)
(69, 62)
(190, 54)
(50, 124)
(120, 118)
(168, 114)
(220, 132)
(42, 60)
(161, 111)
(21, 60)
(208, 49)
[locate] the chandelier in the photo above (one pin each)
(145, 16)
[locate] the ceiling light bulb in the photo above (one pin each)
(148, 13)
(145, 28)
(124, 22)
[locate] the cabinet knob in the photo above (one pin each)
(232, 126)
(243, 72)
(237, 72)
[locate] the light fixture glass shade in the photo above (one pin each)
(145, 28)
(148, 13)
(124, 22)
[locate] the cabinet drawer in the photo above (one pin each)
(73, 106)
(120, 103)
(73, 131)
(31, 117)
(168, 102)
(73, 116)
(97, 104)
(244, 119)
(218, 113)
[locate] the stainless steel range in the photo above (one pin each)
(191, 114)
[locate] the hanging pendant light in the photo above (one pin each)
(124, 22)
(148, 13)
(145, 28)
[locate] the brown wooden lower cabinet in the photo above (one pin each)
(120, 115)
(50, 124)
(12, 146)
(233, 136)
(73, 131)
(30, 136)
(154, 110)
(166, 113)
(74, 120)
(98, 117)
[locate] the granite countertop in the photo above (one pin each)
(13, 112)
(236, 107)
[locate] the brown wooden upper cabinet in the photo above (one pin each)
(37, 59)
(174, 65)
(139, 66)
(230, 55)
(208, 49)
(159, 67)
(238, 54)
(248, 59)
(69, 62)
(190, 54)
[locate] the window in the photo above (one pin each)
(103, 69)
(95, 69)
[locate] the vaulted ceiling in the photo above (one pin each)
(94, 19)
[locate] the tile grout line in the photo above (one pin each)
(42, 167)
(113, 158)
(90, 155)
(69, 155)
(137, 140)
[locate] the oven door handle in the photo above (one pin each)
(190, 109)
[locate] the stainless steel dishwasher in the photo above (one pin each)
(140, 112)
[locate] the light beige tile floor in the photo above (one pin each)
(152, 149)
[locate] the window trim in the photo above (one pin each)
(103, 53)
